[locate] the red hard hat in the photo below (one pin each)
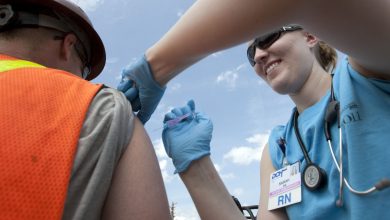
(78, 21)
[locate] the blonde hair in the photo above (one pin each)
(326, 56)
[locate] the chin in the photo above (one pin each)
(279, 88)
(281, 92)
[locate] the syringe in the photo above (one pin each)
(174, 122)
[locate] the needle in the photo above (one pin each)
(173, 122)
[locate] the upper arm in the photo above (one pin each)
(359, 29)
(103, 138)
(137, 189)
(356, 27)
(265, 171)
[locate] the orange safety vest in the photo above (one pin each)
(42, 111)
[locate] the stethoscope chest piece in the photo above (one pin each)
(313, 177)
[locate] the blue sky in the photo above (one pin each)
(224, 86)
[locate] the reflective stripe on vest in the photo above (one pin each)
(7, 65)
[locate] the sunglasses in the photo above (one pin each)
(265, 41)
(81, 52)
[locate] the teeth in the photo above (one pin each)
(270, 68)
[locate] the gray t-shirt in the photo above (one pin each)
(104, 137)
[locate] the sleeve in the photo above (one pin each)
(276, 153)
(105, 134)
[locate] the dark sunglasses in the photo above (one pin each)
(265, 41)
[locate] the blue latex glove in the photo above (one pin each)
(189, 139)
(141, 89)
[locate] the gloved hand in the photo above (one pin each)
(189, 139)
(141, 89)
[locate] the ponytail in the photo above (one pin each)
(326, 56)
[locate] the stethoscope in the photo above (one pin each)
(313, 176)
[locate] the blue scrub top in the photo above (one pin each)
(365, 124)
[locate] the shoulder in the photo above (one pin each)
(110, 100)
(277, 151)
(346, 63)
(109, 110)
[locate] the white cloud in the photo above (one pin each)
(238, 192)
(258, 139)
(229, 78)
(163, 160)
(160, 150)
(88, 5)
(261, 82)
(186, 213)
(112, 60)
(163, 109)
(245, 155)
(224, 176)
(217, 54)
(163, 164)
(227, 176)
(175, 87)
(132, 61)
(164, 171)
(217, 167)
(242, 66)
(180, 13)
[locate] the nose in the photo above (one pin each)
(260, 55)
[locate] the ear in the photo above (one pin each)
(67, 46)
(311, 40)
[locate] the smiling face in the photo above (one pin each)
(287, 63)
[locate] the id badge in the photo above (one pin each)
(285, 187)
